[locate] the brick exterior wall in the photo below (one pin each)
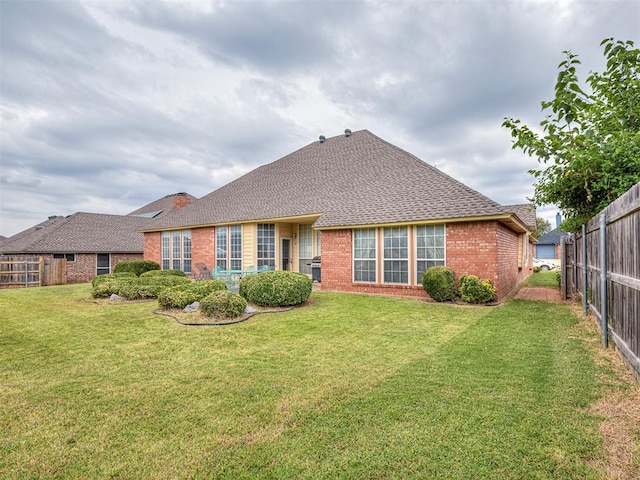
(485, 249)
(203, 247)
(85, 267)
(472, 249)
(337, 269)
(153, 247)
(510, 271)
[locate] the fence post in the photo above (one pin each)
(26, 274)
(575, 263)
(585, 300)
(604, 313)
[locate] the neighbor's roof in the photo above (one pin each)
(80, 233)
(552, 238)
(162, 206)
(90, 232)
(351, 180)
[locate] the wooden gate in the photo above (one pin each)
(55, 271)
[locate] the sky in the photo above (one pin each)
(106, 106)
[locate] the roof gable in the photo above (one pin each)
(358, 179)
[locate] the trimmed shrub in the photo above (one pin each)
(440, 283)
(129, 286)
(151, 286)
(163, 273)
(136, 266)
(276, 288)
(536, 269)
(223, 304)
(111, 276)
(475, 290)
(106, 287)
(182, 295)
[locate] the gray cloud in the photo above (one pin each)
(108, 106)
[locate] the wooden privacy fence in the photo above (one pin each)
(23, 271)
(602, 266)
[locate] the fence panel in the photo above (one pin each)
(20, 271)
(621, 289)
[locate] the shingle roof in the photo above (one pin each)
(89, 232)
(526, 212)
(355, 180)
(80, 233)
(551, 238)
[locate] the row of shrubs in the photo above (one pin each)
(440, 283)
(174, 290)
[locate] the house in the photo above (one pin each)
(376, 214)
(548, 245)
(92, 243)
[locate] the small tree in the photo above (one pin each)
(591, 142)
(542, 227)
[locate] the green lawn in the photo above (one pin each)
(543, 279)
(349, 387)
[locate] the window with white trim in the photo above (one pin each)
(229, 247)
(266, 245)
(176, 250)
(430, 248)
(364, 255)
(396, 255)
(221, 248)
(235, 252)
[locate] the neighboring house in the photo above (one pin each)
(548, 246)
(92, 243)
(378, 215)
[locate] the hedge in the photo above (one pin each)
(276, 288)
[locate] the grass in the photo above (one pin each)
(349, 387)
(543, 279)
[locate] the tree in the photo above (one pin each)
(542, 227)
(590, 149)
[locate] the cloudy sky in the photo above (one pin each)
(106, 105)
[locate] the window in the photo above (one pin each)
(430, 249)
(266, 245)
(221, 248)
(70, 257)
(166, 251)
(318, 251)
(396, 255)
(176, 250)
(235, 232)
(229, 247)
(364, 255)
(103, 263)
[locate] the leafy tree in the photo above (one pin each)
(590, 149)
(542, 227)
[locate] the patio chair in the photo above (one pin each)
(203, 271)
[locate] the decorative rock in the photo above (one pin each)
(192, 307)
(115, 297)
(250, 310)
